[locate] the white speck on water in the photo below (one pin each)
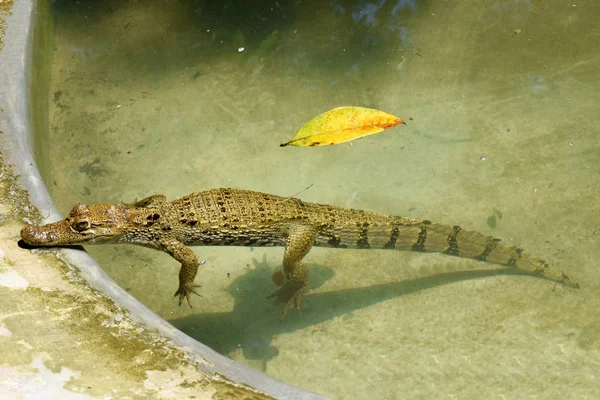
(483, 158)
(240, 49)
(399, 66)
(571, 144)
(350, 199)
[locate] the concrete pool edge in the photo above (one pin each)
(17, 151)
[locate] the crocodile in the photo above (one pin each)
(234, 217)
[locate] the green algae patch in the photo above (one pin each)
(87, 333)
(5, 7)
(226, 390)
(15, 198)
(103, 330)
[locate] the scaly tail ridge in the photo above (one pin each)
(455, 241)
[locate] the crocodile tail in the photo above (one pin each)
(426, 236)
(455, 241)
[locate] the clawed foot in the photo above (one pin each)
(185, 290)
(290, 295)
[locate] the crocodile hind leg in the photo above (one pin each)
(300, 239)
(188, 271)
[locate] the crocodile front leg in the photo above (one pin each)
(299, 241)
(188, 271)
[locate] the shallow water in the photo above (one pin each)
(500, 100)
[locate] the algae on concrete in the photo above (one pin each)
(5, 6)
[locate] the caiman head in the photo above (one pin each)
(97, 223)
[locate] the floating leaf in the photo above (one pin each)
(343, 124)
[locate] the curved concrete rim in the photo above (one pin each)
(17, 149)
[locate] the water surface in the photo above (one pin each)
(500, 100)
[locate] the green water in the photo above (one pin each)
(501, 104)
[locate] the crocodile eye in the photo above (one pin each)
(81, 226)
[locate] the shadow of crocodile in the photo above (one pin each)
(255, 319)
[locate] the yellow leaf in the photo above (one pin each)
(343, 124)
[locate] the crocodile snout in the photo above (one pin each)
(40, 235)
